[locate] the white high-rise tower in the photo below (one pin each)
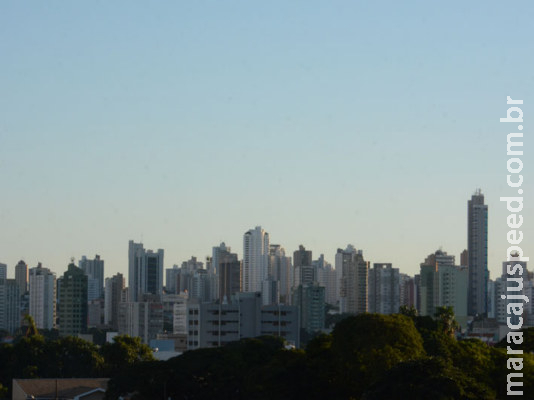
(43, 297)
(145, 271)
(255, 259)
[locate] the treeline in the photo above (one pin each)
(366, 357)
(33, 356)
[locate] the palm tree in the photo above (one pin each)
(32, 328)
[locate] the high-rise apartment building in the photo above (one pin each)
(501, 289)
(464, 258)
(428, 288)
(303, 271)
(327, 277)
(172, 279)
(280, 270)
(477, 248)
(354, 280)
(443, 284)
(384, 289)
(21, 276)
(142, 319)
(302, 257)
(145, 271)
(42, 286)
(429, 281)
(216, 253)
(407, 291)
(255, 259)
(310, 299)
(229, 273)
(9, 305)
(94, 269)
(113, 292)
(73, 302)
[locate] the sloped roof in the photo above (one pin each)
(66, 388)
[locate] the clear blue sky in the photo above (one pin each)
(188, 123)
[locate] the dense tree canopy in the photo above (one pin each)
(368, 356)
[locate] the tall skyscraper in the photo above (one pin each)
(302, 257)
(477, 248)
(21, 276)
(229, 273)
(304, 273)
(9, 305)
(384, 289)
(407, 291)
(43, 297)
(113, 293)
(3, 271)
(443, 284)
(94, 269)
(310, 299)
(464, 258)
(354, 280)
(73, 301)
(145, 271)
(216, 254)
(280, 270)
(429, 281)
(255, 259)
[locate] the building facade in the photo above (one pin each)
(384, 289)
(255, 259)
(73, 311)
(42, 299)
(354, 271)
(477, 249)
(94, 269)
(21, 276)
(145, 271)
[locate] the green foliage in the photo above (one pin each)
(427, 378)
(32, 328)
(3, 392)
(332, 319)
(408, 311)
(528, 341)
(125, 351)
(238, 370)
(446, 321)
(367, 345)
(368, 356)
(71, 357)
(499, 371)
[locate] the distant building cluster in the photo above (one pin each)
(224, 298)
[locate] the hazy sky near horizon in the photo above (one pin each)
(184, 124)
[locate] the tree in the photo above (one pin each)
(32, 327)
(72, 357)
(125, 351)
(528, 341)
(427, 378)
(408, 311)
(367, 345)
(446, 320)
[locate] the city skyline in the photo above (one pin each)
(185, 125)
(494, 272)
